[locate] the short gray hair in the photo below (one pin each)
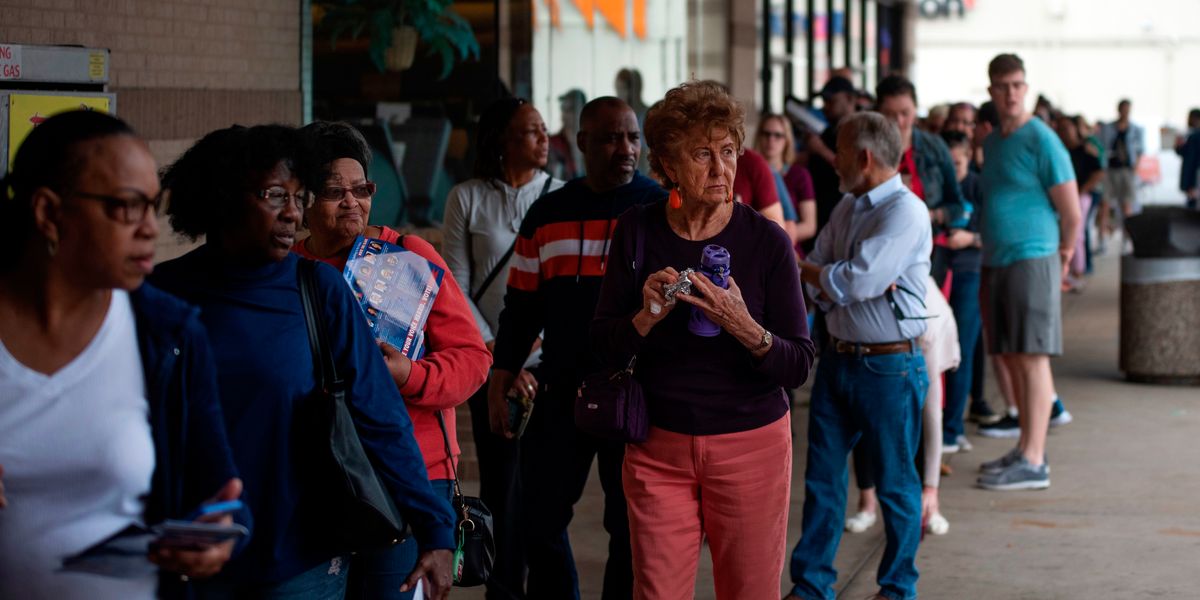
(876, 134)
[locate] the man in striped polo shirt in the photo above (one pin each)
(553, 286)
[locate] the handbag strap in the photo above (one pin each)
(449, 453)
(324, 369)
(639, 256)
(487, 282)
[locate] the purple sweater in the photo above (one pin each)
(696, 385)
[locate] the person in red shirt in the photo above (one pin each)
(455, 363)
(754, 185)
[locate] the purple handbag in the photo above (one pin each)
(610, 403)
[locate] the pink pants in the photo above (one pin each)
(733, 488)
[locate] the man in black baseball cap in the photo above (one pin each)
(838, 101)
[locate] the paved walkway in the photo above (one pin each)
(1120, 520)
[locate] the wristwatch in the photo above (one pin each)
(765, 342)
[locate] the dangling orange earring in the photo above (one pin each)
(675, 200)
(729, 200)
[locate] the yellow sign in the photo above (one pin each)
(96, 65)
(26, 111)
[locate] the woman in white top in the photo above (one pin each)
(108, 411)
(482, 218)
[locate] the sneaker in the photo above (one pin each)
(982, 414)
(959, 445)
(860, 522)
(1007, 427)
(937, 525)
(1018, 476)
(992, 467)
(1059, 415)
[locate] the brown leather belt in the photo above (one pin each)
(844, 347)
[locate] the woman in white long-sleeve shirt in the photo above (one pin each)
(482, 218)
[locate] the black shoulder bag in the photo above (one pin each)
(351, 497)
(475, 551)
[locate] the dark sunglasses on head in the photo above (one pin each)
(361, 191)
(125, 210)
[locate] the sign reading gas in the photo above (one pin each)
(10, 61)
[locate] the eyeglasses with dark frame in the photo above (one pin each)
(128, 211)
(335, 193)
(895, 306)
(775, 135)
(278, 197)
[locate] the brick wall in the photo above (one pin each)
(180, 68)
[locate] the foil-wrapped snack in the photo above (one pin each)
(683, 285)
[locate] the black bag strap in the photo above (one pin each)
(639, 257)
(449, 453)
(487, 282)
(324, 369)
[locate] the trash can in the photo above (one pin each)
(1160, 298)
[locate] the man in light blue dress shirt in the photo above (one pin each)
(868, 273)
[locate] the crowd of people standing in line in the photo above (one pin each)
(913, 249)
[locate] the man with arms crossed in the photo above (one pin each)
(868, 273)
(1030, 217)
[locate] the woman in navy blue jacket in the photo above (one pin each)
(244, 190)
(108, 406)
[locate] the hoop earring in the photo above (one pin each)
(675, 199)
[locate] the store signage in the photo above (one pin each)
(10, 61)
(941, 9)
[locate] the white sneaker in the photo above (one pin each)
(959, 445)
(860, 522)
(937, 525)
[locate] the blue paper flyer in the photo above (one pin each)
(395, 288)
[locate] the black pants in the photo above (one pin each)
(556, 459)
(500, 489)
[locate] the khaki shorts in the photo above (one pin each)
(1022, 307)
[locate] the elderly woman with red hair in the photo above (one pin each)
(713, 362)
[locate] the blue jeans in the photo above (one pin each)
(873, 400)
(326, 581)
(964, 301)
(379, 575)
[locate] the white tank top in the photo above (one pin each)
(78, 457)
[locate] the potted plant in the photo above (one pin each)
(395, 26)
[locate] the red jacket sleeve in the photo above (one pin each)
(456, 362)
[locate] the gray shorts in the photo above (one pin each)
(1022, 307)
(1120, 186)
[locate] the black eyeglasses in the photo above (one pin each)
(128, 211)
(779, 135)
(361, 191)
(891, 300)
(278, 197)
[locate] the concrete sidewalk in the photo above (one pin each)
(1120, 520)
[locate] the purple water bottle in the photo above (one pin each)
(714, 264)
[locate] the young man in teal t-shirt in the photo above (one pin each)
(1030, 217)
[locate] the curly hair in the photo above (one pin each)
(51, 157)
(212, 178)
(692, 105)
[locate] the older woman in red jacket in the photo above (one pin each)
(455, 362)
